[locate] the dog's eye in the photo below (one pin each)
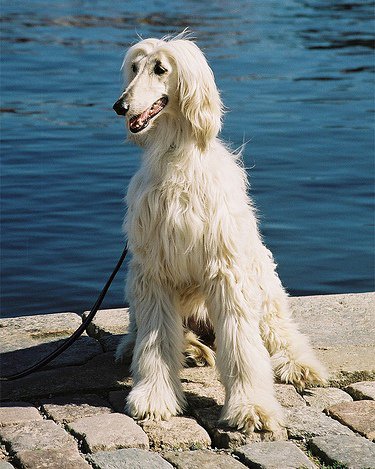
(134, 68)
(158, 69)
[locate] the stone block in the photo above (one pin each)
(352, 314)
(353, 452)
(206, 375)
(321, 398)
(78, 353)
(38, 435)
(26, 340)
(131, 458)
(13, 413)
(212, 393)
(274, 455)
(177, 433)
(305, 422)
(108, 321)
(108, 432)
(362, 390)
(202, 459)
(27, 331)
(200, 395)
(224, 437)
(357, 415)
(67, 409)
(347, 349)
(51, 458)
(108, 326)
(287, 395)
(6, 465)
(99, 373)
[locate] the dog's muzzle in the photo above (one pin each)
(121, 107)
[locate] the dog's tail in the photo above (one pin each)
(197, 352)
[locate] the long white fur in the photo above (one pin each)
(197, 250)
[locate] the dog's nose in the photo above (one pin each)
(121, 107)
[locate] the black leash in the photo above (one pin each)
(68, 342)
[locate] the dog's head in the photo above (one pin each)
(170, 78)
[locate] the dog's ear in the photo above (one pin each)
(199, 97)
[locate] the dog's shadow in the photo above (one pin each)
(83, 368)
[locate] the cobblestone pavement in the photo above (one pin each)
(71, 414)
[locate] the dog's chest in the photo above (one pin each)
(165, 220)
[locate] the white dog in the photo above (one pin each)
(197, 250)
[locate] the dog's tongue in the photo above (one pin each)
(140, 121)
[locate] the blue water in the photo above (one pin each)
(297, 79)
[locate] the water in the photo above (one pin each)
(297, 79)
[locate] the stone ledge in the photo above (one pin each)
(26, 340)
(341, 331)
(108, 326)
(99, 373)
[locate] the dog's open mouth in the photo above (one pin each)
(141, 121)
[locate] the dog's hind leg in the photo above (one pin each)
(292, 356)
(242, 359)
(157, 359)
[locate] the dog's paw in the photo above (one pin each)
(143, 404)
(250, 417)
(307, 372)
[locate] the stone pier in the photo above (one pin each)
(71, 414)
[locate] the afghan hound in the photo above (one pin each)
(197, 251)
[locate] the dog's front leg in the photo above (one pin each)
(242, 359)
(157, 393)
